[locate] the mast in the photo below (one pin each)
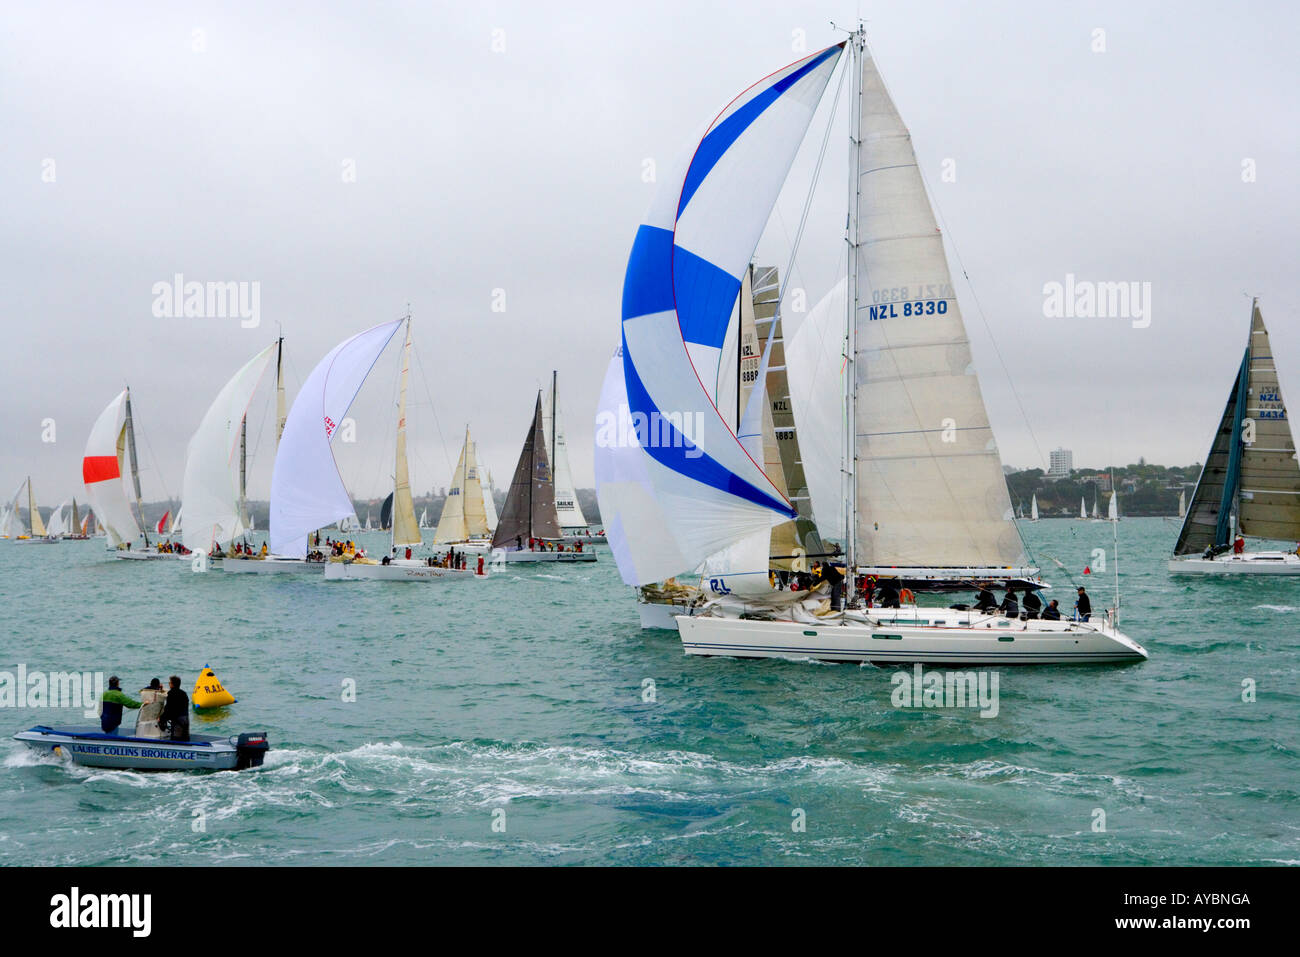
(848, 467)
(135, 467)
(279, 390)
(405, 530)
(554, 413)
(243, 472)
(532, 473)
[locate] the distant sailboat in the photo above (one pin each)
(307, 491)
(489, 503)
(109, 457)
(1083, 510)
(1250, 483)
(1182, 503)
(464, 517)
(216, 462)
(1033, 508)
(529, 530)
(1112, 510)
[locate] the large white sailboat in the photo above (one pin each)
(529, 529)
(927, 501)
(1250, 484)
(405, 530)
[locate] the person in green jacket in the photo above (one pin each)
(112, 703)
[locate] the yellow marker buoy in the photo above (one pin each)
(208, 692)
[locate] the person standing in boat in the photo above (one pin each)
(111, 705)
(1083, 605)
(985, 601)
(1238, 545)
(153, 698)
(175, 717)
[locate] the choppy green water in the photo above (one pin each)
(525, 693)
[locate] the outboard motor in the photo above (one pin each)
(250, 750)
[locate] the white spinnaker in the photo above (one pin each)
(814, 359)
(57, 526)
(566, 497)
(211, 486)
(930, 486)
(636, 527)
(13, 524)
(307, 492)
(102, 471)
(712, 210)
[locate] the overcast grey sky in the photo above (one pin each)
(216, 141)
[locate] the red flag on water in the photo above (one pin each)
(1087, 570)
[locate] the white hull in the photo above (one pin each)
(1247, 563)
(535, 557)
(134, 556)
(396, 571)
(948, 638)
(270, 566)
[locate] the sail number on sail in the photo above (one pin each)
(919, 307)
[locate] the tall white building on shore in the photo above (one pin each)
(1061, 463)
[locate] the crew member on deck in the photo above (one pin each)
(1033, 604)
(985, 601)
(1238, 545)
(1083, 606)
(1052, 612)
(1010, 607)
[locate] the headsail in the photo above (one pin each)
(102, 473)
(211, 489)
(1270, 474)
(636, 526)
(463, 515)
(930, 487)
(307, 492)
(557, 448)
(489, 503)
(34, 513)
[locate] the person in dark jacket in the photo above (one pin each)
(985, 601)
(112, 703)
(1033, 604)
(1083, 605)
(175, 717)
(1052, 612)
(1010, 606)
